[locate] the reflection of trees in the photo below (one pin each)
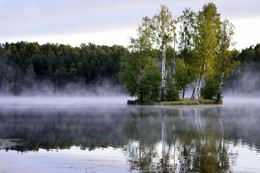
(188, 142)
(143, 132)
(206, 151)
(150, 156)
(145, 128)
(167, 138)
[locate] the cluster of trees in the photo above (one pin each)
(23, 65)
(203, 58)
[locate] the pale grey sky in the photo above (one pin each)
(110, 21)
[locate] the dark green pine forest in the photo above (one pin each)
(28, 66)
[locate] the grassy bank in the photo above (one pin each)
(199, 101)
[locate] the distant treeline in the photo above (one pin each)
(23, 65)
(245, 80)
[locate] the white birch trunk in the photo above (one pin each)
(201, 80)
(198, 88)
(163, 72)
(195, 86)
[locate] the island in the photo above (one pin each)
(161, 64)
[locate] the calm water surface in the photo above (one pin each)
(86, 137)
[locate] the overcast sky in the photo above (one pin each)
(109, 22)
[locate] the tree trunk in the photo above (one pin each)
(183, 92)
(198, 92)
(193, 91)
(163, 72)
(195, 86)
(220, 87)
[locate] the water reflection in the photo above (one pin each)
(153, 139)
(186, 140)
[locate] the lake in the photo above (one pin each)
(92, 135)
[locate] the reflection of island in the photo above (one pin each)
(154, 139)
(187, 144)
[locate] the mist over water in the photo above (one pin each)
(229, 100)
(244, 88)
(105, 94)
(244, 84)
(64, 101)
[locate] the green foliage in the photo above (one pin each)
(211, 89)
(172, 92)
(129, 73)
(163, 27)
(187, 22)
(206, 38)
(150, 83)
(140, 76)
(182, 76)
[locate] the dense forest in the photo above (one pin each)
(28, 66)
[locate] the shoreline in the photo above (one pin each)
(180, 102)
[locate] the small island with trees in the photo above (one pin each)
(155, 72)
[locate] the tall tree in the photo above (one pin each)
(139, 70)
(224, 62)
(163, 34)
(206, 43)
(186, 66)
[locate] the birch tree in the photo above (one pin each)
(184, 75)
(224, 64)
(163, 34)
(206, 43)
